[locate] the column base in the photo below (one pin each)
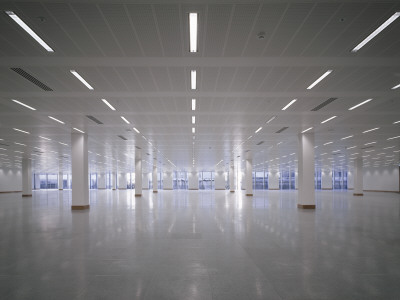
(80, 207)
(155, 191)
(358, 194)
(306, 206)
(232, 191)
(138, 195)
(249, 194)
(26, 195)
(113, 189)
(60, 189)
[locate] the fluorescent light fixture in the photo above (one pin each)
(396, 122)
(376, 32)
(335, 151)
(323, 154)
(126, 121)
(306, 130)
(19, 144)
(193, 130)
(371, 130)
(76, 74)
(25, 27)
(108, 104)
(57, 120)
(388, 147)
(369, 143)
(45, 138)
(63, 144)
(319, 79)
(258, 130)
(193, 81)
(359, 104)
(395, 137)
(347, 137)
(352, 147)
(21, 130)
(396, 87)
(327, 120)
(290, 103)
(193, 119)
(193, 104)
(3, 149)
(18, 151)
(270, 120)
(328, 143)
(193, 31)
(134, 128)
(78, 130)
(23, 104)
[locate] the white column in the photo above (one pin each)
(80, 171)
(60, 177)
(249, 176)
(358, 177)
(296, 180)
(155, 179)
(167, 180)
(273, 179)
(219, 180)
(37, 182)
(122, 181)
(101, 181)
(26, 177)
(326, 179)
(138, 174)
(113, 180)
(193, 180)
(232, 178)
(306, 195)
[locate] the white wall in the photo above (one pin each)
(167, 180)
(122, 181)
(193, 180)
(219, 180)
(273, 180)
(10, 180)
(381, 178)
(101, 180)
(145, 180)
(326, 179)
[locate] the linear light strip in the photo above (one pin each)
(193, 119)
(327, 120)
(193, 79)
(359, 104)
(108, 104)
(21, 130)
(193, 32)
(78, 130)
(193, 104)
(126, 121)
(57, 120)
(45, 138)
(306, 130)
(396, 87)
(370, 130)
(396, 122)
(376, 32)
(290, 103)
(395, 137)
(347, 137)
(23, 104)
(25, 27)
(81, 79)
(134, 128)
(258, 130)
(319, 79)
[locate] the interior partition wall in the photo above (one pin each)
(45, 181)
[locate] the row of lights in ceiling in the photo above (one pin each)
(193, 22)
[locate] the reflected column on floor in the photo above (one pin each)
(249, 174)
(122, 181)
(138, 173)
(114, 180)
(306, 196)
(193, 180)
(232, 177)
(167, 180)
(80, 171)
(26, 177)
(60, 176)
(101, 181)
(358, 177)
(155, 179)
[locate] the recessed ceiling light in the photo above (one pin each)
(126, 121)
(306, 130)
(193, 130)
(134, 128)
(395, 137)
(193, 32)
(25, 27)
(359, 104)
(19, 144)
(371, 130)
(347, 137)
(78, 130)
(327, 120)
(193, 80)
(328, 143)
(193, 119)
(388, 147)
(376, 32)
(57, 120)
(108, 104)
(396, 87)
(270, 120)
(45, 138)
(258, 130)
(290, 103)
(193, 104)
(63, 144)
(367, 151)
(21, 130)
(319, 79)
(351, 147)
(76, 74)
(396, 122)
(18, 151)
(23, 104)
(369, 143)
(324, 154)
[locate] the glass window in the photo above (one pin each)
(259, 180)
(206, 180)
(317, 179)
(292, 180)
(285, 180)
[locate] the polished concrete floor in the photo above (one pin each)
(200, 245)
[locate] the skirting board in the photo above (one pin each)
(326, 189)
(166, 189)
(193, 189)
(273, 189)
(382, 191)
(80, 207)
(249, 194)
(306, 206)
(5, 192)
(138, 195)
(220, 189)
(358, 194)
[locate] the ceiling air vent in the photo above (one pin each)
(259, 143)
(32, 79)
(137, 147)
(282, 129)
(148, 153)
(94, 119)
(323, 104)
(122, 137)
